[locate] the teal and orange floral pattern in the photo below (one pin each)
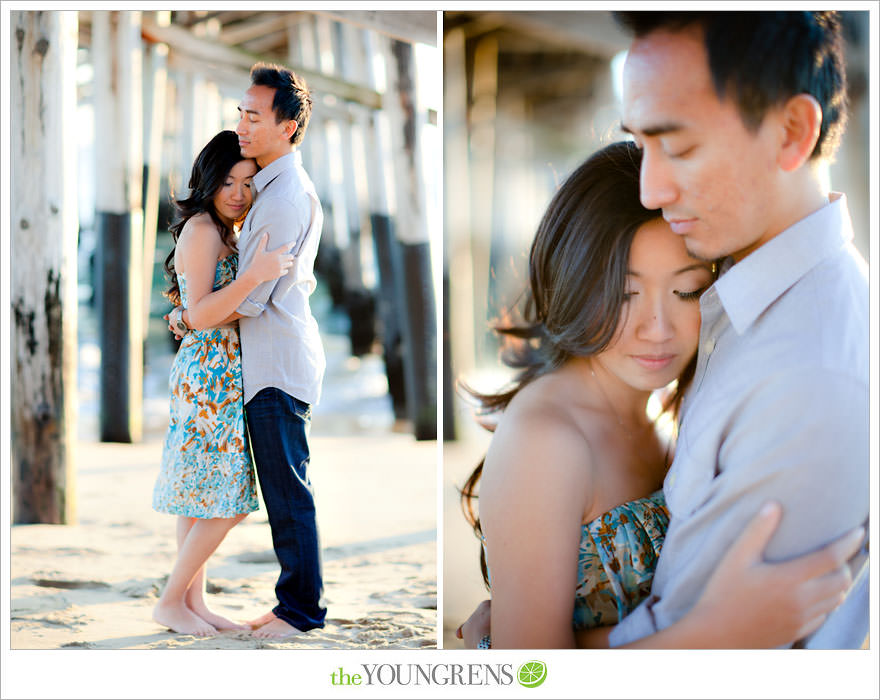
(616, 561)
(206, 469)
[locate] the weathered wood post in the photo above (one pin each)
(416, 290)
(156, 88)
(483, 126)
(43, 265)
(382, 226)
(116, 49)
(327, 176)
(459, 301)
(360, 298)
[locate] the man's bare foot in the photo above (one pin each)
(276, 629)
(261, 620)
(213, 619)
(182, 620)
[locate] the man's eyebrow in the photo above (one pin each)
(248, 111)
(654, 130)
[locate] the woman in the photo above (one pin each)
(206, 477)
(571, 516)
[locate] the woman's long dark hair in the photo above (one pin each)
(208, 175)
(577, 275)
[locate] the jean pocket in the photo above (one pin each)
(302, 410)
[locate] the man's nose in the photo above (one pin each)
(657, 187)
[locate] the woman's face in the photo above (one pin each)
(234, 197)
(660, 320)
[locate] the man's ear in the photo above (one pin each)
(801, 121)
(290, 129)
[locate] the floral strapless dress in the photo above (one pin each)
(206, 469)
(616, 560)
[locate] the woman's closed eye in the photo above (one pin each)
(690, 296)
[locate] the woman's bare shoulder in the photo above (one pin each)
(199, 230)
(540, 435)
(199, 237)
(548, 403)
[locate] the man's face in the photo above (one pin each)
(714, 179)
(259, 136)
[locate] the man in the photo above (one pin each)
(282, 356)
(735, 113)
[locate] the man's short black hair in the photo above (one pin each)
(292, 97)
(765, 58)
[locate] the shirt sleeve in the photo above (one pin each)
(638, 624)
(287, 223)
(800, 437)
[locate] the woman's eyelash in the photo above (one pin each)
(696, 294)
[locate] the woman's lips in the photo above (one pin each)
(654, 363)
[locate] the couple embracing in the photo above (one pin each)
(707, 252)
(250, 364)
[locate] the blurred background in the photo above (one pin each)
(527, 97)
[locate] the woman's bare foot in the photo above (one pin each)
(276, 629)
(217, 621)
(195, 601)
(261, 620)
(182, 620)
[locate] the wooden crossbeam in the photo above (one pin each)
(410, 26)
(217, 54)
(255, 26)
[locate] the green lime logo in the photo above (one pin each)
(532, 673)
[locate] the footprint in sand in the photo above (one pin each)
(266, 557)
(65, 583)
(57, 620)
(39, 604)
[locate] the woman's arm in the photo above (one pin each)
(535, 482)
(199, 248)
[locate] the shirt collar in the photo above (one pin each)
(275, 168)
(748, 288)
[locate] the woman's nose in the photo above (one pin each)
(656, 324)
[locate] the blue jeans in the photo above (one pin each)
(278, 426)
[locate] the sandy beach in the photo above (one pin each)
(93, 584)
